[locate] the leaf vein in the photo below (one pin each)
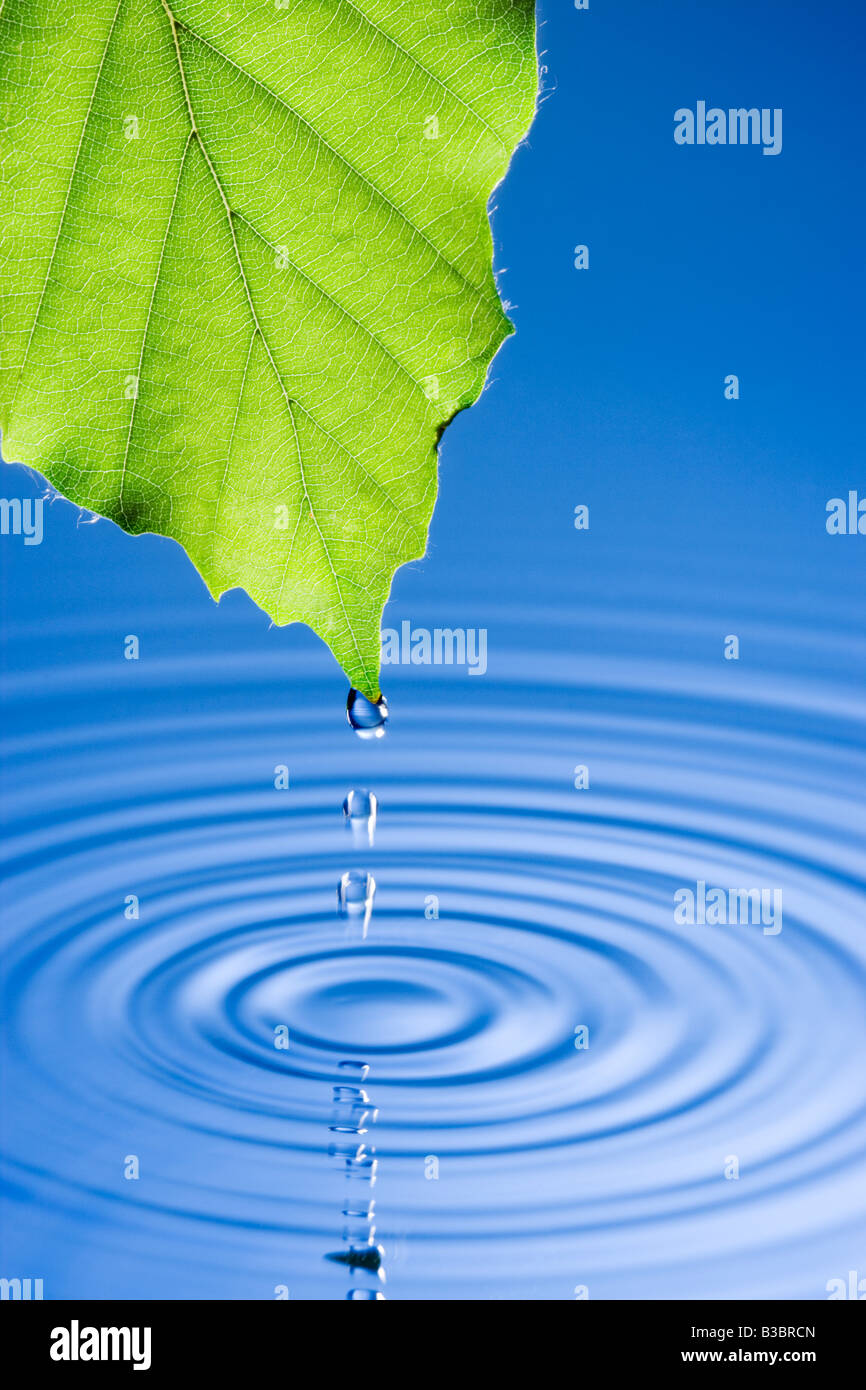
(195, 133)
(477, 290)
(422, 67)
(138, 382)
(65, 207)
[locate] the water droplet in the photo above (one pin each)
(352, 1116)
(355, 893)
(363, 1167)
(360, 1210)
(359, 1069)
(366, 718)
(355, 1122)
(347, 1151)
(368, 1295)
(350, 1095)
(351, 1100)
(359, 810)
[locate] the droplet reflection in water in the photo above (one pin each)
(347, 1150)
(360, 1257)
(366, 718)
(363, 1166)
(360, 1231)
(359, 809)
(360, 1211)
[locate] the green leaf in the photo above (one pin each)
(247, 274)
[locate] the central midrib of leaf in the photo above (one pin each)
(195, 136)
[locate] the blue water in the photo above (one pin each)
(509, 1163)
(556, 1166)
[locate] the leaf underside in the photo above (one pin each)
(247, 274)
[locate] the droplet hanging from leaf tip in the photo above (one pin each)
(367, 718)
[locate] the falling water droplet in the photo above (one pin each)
(351, 1116)
(346, 1150)
(353, 1068)
(359, 811)
(363, 1167)
(360, 1210)
(366, 718)
(353, 1122)
(354, 1105)
(355, 893)
(350, 1095)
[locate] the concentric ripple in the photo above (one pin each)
(575, 1091)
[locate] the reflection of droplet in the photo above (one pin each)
(350, 1095)
(359, 1232)
(368, 1295)
(359, 1210)
(363, 1167)
(352, 1107)
(350, 1122)
(359, 1257)
(366, 718)
(344, 1105)
(350, 1116)
(360, 809)
(346, 1149)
